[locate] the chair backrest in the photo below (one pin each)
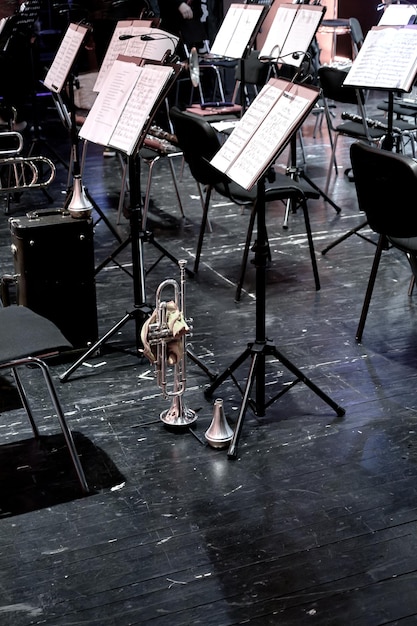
(199, 143)
(356, 34)
(331, 81)
(386, 186)
(254, 71)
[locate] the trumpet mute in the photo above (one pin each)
(80, 205)
(219, 434)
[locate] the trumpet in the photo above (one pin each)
(163, 337)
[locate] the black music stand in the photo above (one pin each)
(366, 73)
(140, 310)
(261, 347)
(60, 79)
(258, 350)
(294, 171)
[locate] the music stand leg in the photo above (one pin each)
(129, 316)
(349, 233)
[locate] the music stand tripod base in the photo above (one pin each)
(258, 350)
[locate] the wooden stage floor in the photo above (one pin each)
(313, 523)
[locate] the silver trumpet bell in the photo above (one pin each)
(178, 415)
(219, 434)
(79, 206)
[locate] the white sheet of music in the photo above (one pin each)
(65, 57)
(262, 131)
(387, 59)
(246, 126)
(101, 120)
(153, 50)
(397, 14)
(301, 34)
(151, 80)
(278, 31)
(124, 103)
(236, 30)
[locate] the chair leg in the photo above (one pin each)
(245, 253)
(65, 430)
(332, 163)
(202, 228)
(381, 245)
(25, 401)
(202, 195)
(177, 191)
(412, 259)
(311, 244)
(58, 409)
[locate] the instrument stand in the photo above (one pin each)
(262, 347)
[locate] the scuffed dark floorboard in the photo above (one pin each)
(314, 523)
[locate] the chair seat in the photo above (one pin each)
(281, 188)
(400, 107)
(404, 243)
(25, 333)
(356, 130)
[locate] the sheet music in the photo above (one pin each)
(387, 59)
(301, 34)
(292, 31)
(152, 50)
(397, 14)
(264, 129)
(247, 126)
(139, 106)
(236, 30)
(65, 57)
(278, 31)
(124, 104)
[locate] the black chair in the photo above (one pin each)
(386, 186)
(26, 338)
(199, 143)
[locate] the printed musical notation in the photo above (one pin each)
(291, 33)
(155, 47)
(61, 66)
(236, 30)
(264, 131)
(124, 104)
(387, 59)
